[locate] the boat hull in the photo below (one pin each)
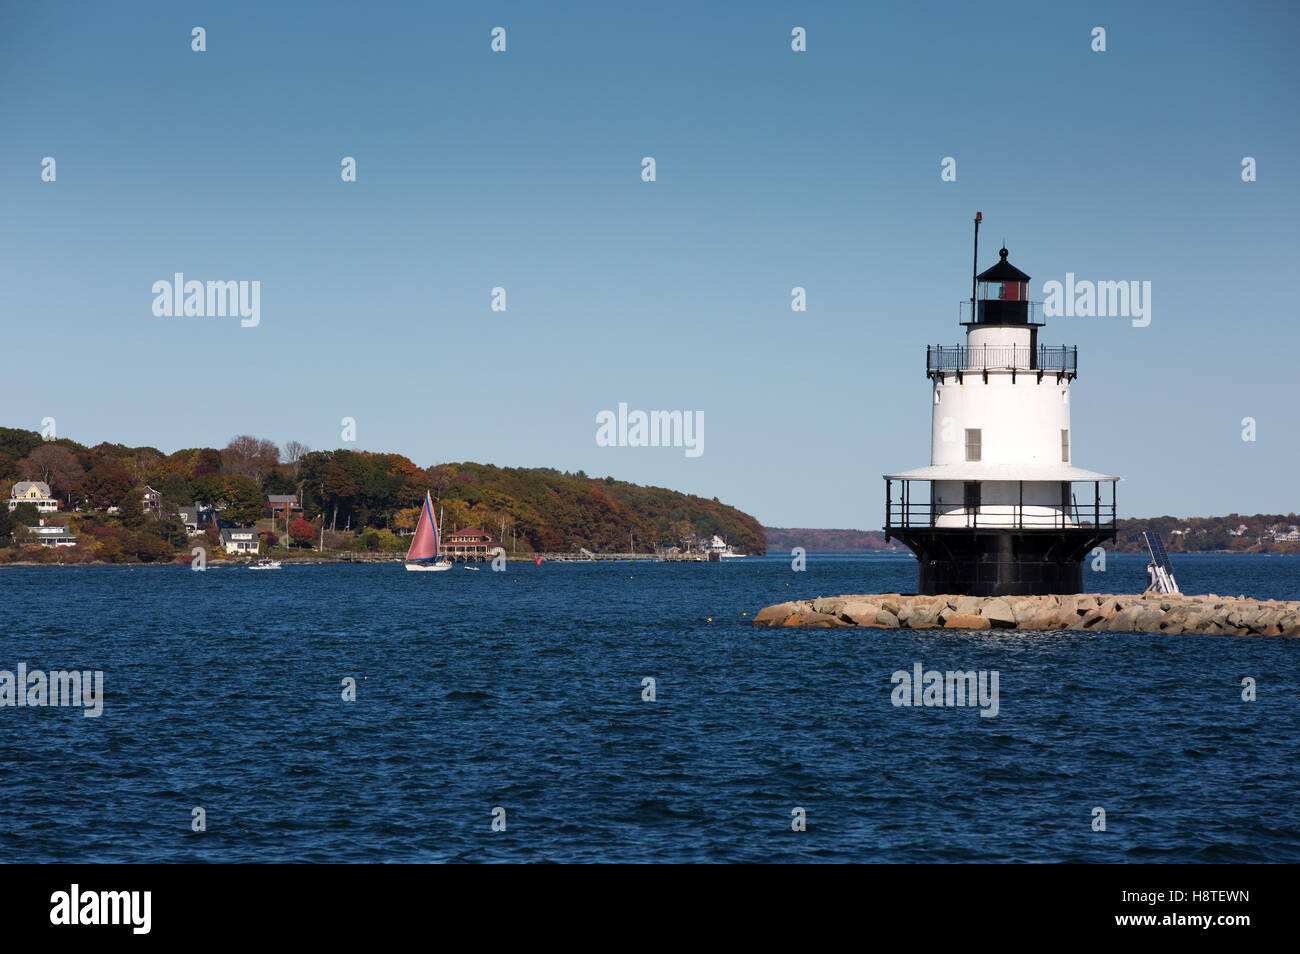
(428, 567)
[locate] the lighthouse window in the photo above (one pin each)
(1065, 444)
(1002, 291)
(937, 398)
(972, 443)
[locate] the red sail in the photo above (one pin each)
(424, 546)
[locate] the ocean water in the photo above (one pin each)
(522, 691)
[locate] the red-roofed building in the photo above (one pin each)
(283, 506)
(471, 545)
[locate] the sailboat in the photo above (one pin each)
(424, 545)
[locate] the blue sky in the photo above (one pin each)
(774, 169)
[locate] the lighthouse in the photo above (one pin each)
(1002, 509)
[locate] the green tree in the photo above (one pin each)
(130, 509)
(26, 514)
(17, 443)
(209, 488)
(170, 528)
(278, 482)
(175, 492)
(244, 501)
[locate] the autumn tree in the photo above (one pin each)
(407, 519)
(683, 531)
(295, 451)
(339, 488)
(302, 532)
(140, 462)
(105, 484)
(248, 456)
(151, 549)
(56, 466)
(208, 461)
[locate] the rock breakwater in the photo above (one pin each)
(1140, 613)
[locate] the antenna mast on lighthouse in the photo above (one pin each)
(975, 266)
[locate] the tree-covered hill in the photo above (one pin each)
(557, 511)
(348, 491)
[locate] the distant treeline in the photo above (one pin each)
(349, 494)
(1258, 533)
(834, 541)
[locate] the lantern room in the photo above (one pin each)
(1003, 295)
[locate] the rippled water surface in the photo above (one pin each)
(523, 690)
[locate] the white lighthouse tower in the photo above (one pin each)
(1001, 509)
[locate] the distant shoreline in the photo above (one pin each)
(532, 559)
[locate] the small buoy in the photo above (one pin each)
(710, 619)
(744, 614)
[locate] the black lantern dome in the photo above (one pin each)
(1003, 296)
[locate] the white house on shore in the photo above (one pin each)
(235, 541)
(36, 492)
(51, 536)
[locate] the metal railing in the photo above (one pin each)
(1062, 359)
(902, 513)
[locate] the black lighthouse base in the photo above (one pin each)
(992, 562)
